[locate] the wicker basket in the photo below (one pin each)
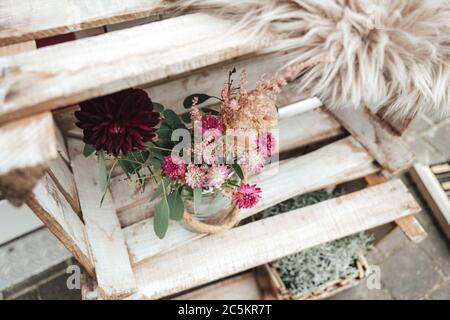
(269, 279)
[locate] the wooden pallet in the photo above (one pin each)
(434, 185)
(116, 243)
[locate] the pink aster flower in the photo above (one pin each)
(252, 161)
(173, 166)
(195, 177)
(247, 196)
(216, 175)
(212, 126)
(266, 143)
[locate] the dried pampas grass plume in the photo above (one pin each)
(392, 55)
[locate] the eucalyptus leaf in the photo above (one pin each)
(158, 154)
(127, 167)
(158, 107)
(88, 150)
(102, 174)
(137, 156)
(155, 163)
(161, 219)
(237, 168)
(160, 188)
(202, 97)
(164, 131)
(197, 199)
(186, 117)
(176, 205)
(172, 119)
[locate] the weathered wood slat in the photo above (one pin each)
(17, 48)
(336, 163)
(75, 71)
(52, 208)
(440, 168)
(114, 275)
(31, 19)
(260, 242)
(240, 287)
(27, 148)
(384, 145)
(409, 225)
(210, 80)
(298, 131)
(61, 174)
(127, 196)
(435, 197)
(61, 145)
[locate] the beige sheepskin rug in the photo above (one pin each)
(392, 55)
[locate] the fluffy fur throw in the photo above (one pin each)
(390, 54)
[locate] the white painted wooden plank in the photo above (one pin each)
(114, 275)
(17, 48)
(27, 143)
(61, 145)
(240, 287)
(307, 128)
(260, 242)
(435, 197)
(127, 195)
(384, 145)
(75, 71)
(27, 148)
(143, 210)
(410, 226)
(210, 80)
(52, 208)
(63, 178)
(61, 173)
(31, 19)
(299, 107)
(338, 162)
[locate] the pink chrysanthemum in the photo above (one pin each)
(266, 143)
(216, 175)
(212, 126)
(247, 196)
(252, 161)
(195, 177)
(174, 167)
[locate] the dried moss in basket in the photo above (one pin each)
(310, 269)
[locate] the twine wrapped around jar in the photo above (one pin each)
(227, 223)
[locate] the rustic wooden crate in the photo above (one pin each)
(116, 243)
(433, 183)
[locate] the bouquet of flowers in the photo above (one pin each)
(198, 162)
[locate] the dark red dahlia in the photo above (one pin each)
(119, 122)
